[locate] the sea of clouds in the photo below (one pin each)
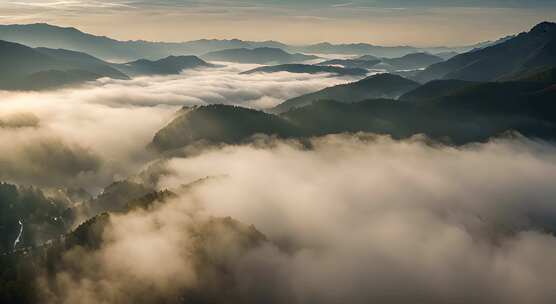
(94, 134)
(348, 218)
(353, 219)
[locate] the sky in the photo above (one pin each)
(382, 22)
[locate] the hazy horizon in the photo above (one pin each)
(389, 23)
(253, 172)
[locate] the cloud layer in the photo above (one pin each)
(355, 219)
(104, 126)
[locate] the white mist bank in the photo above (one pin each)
(355, 219)
(97, 133)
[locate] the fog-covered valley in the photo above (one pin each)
(278, 175)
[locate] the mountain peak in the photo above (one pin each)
(544, 27)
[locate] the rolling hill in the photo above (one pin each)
(456, 112)
(167, 66)
(376, 86)
(218, 124)
(46, 35)
(435, 89)
(25, 68)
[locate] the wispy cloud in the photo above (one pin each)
(72, 4)
(343, 4)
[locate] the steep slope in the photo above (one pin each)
(359, 49)
(543, 76)
(376, 86)
(435, 89)
(474, 113)
(79, 60)
(258, 55)
(446, 55)
(218, 124)
(527, 51)
(167, 66)
(408, 62)
(308, 69)
(460, 113)
(25, 68)
(46, 35)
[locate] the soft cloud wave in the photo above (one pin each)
(356, 219)
(115, 120)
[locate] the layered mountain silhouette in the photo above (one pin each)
(218, 124)
(51, 36)
(446, 55)
(27, 68)
(45, 35)
(528, 52)
(263, 55)
(387, 51)
(376, 86)
(308, 69)
(166, 66)
(454, 111)
(413, 61)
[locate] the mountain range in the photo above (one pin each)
(409, 62)
(26, 68)
(376, 86)
(264, 55)
(457, 112)
(51, 36)
(525, 53)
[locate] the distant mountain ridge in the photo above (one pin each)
(264, 55)
(372, 87)
(167, 66)
(453, 111)
(26, 68)
(46, 35)
(527, 52)
(51, 36)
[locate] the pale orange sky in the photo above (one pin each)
(342, 22)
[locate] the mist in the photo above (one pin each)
(103, 127)
(347, 218)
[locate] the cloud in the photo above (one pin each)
(221, 85)
(45, 161)
(72, 4)
(353, 219)
(19, 120)
(112, 121)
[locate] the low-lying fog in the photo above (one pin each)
(354, 219)
(88, 136)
